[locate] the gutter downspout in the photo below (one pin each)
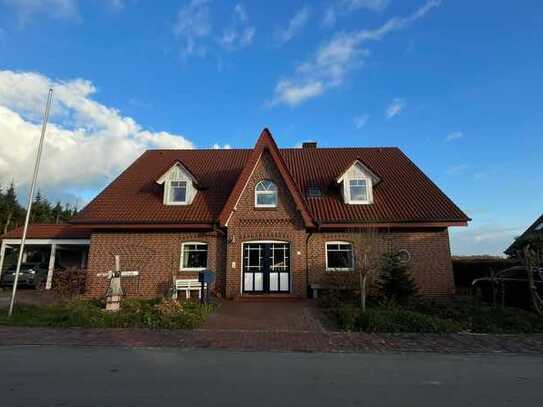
(310, 234)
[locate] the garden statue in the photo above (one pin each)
(114, 292)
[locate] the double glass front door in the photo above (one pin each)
(266, 268)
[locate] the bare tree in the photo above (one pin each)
(366, 250)
(531, 256)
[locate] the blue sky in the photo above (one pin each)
(455, 84)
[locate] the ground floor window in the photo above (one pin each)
(193, 256)
(339, 256)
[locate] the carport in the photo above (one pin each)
(49, 242)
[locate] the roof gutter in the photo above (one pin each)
(147, 226)
(393, 225)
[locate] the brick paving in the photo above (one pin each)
(266, 315)
(273, 326)
(297, 341)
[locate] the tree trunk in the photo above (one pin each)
(363, 293)
(8, 221)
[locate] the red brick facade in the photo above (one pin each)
(156, 255)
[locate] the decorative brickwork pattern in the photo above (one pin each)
(248, 223)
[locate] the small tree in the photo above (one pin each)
(531, 256)
(395, 281)
(365, 247)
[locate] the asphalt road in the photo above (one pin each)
(83, 376)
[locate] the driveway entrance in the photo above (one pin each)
(266, 315)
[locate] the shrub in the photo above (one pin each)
(90, 314)
(483, 318)
(69, 283)
(394, 321)
(395, 281)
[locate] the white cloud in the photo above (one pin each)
(58, 9)
(192, 26)
(87, 143)
(61, 9)
(290, 94)
(374, 5)
(344, 7)
(295, 25)
(455, 135)
(240, 33)
(217, 146)
(361, 121)
(395, 108)
(333, 60)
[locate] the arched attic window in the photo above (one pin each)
(265, 194)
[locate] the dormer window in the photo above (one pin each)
(178, 193)
(179, 185)
(314, 191)
(265, 194)
(358, 182)
(358, 190)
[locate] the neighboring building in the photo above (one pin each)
(533, 234)
(268, 221)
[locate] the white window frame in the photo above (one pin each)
(178, 173)
(338, 268)
(181, 268)
(168, 191)
(368, 190)
(257, 193)
(358, 171)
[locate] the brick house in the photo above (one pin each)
(267, 221)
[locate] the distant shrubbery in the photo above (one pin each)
(154, 314)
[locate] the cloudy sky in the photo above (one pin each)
(456, 84)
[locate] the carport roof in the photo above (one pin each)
(50, 231)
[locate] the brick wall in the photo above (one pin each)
(430, 262)
(283, 223)
(156, 256)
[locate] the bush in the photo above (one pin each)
(483, 318)
(69, 283)
(392, 320)
(134, 313)
(395, 282)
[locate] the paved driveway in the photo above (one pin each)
(266, 315)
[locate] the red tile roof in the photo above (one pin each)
(404, 195)
(50, 231)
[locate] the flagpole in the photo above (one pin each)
(30, 199)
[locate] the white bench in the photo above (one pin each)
(188, 285)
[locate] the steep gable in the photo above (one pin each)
(264, 144)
